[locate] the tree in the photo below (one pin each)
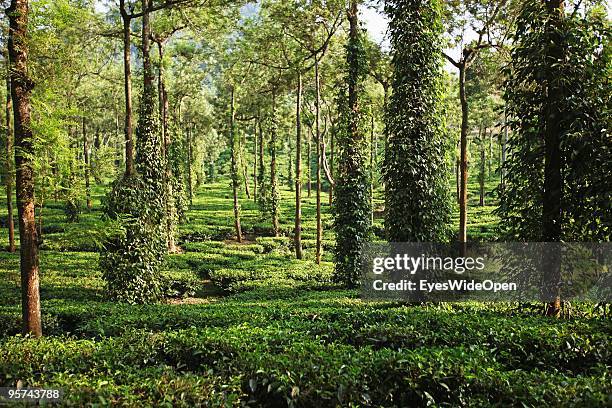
(310, 44)
(380, 69)
(484, 13)
(21, 89)
(234, 170)
(352, 208)
(559, 149)
(274, 190)
(297, 237)
(415, 169)
(127, 13)
(126, 19)
(160, 38)
(131, 264)
(483, 87)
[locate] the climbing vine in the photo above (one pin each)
(415, 168)
(131, 263)
(352, 221)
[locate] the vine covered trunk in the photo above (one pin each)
(553, 184)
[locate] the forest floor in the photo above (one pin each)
(250, 325)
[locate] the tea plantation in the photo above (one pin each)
(248, 325)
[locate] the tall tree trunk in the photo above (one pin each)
(385, 130)
(353, 189)
(290, 180)
(482, 175)
(297, 238)
(553, 182)
(458, 177)
(320, 148)
(86, 164)
(463, 160)
(245, 165)
(331, 162)
(309, 167)
(9, 158)
(164, 107)
(255, 160)
(502, 173)
(490, 158)
(21, 89)
(262, 165)
(372, 153)
(273, 178)
(146, 49)
(237, 225)
(127, 78)
(189, 160)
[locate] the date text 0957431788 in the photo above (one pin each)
(30, 394)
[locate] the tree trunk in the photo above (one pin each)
(331, 163)
(457, 178)
(273, 179)
(245, 164)
(320, 148)
(21, 89)
(463, 160)
(234, 169)
(553, 182)
(86, 164)
(353, 188)
(164, 107)
(482, 175)
(290, 180)
(490, 158)
(146, 50)
(372, 152)
(502, 173)
(309, 160)
(127, 78)
(255, 160)
(189, 159)
(297, 238)
(262, 165)
(385, 130)
(9, 159)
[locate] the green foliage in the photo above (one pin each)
(248, 324)
(131, 260)
(583, 74)
(327, 355)
(415, 169)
